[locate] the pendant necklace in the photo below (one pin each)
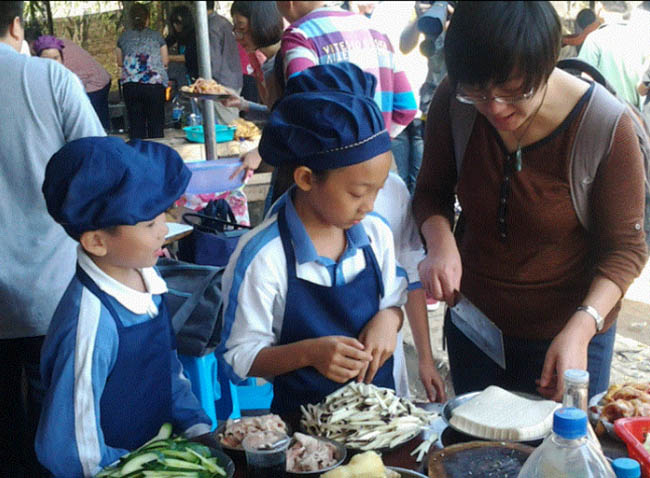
(518, 155)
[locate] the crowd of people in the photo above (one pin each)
(477, 124)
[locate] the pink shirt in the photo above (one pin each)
(91, 73)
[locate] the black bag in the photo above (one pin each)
(194, 302)
(215, 235)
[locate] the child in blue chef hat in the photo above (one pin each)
(312, 296)
(109, 361)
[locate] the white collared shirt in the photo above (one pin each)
(135, 301)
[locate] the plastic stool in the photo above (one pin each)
(253, 396)
(202, 374)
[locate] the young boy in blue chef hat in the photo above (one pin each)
(312, 296)
(109, 358)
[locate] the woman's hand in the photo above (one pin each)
(379, 336)
(249, 162)
(338, 358)
(568, 350)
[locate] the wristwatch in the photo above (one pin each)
(600, 322)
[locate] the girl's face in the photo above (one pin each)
(136, 247)
(347, 194)
(509, 115)
(242, 32)
(52, 54)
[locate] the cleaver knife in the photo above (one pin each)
(479, 329)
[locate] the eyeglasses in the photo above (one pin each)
(239, 33)
(504, 100)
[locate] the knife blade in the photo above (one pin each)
(478, 328)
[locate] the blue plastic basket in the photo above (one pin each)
(222, 132)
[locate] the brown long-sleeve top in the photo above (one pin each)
(531, 283)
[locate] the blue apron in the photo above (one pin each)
(314, 310)
(137, 397)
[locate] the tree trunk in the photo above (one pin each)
(50, 22)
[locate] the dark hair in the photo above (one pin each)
(264, 19)
(9, 11)
(585, 17)
(209, 5)
(489, 41)
(139, 15)
(183, 15)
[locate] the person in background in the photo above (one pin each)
(258, 27)
(289, 285)
(94, 77)
(618, 50)
(224, 61)
(182, 34)
(43, 107)
(142, 57)
(519, 252)
(314, 37)
(109, 359)
(585, 23)
(48, 46)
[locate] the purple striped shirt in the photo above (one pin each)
(332, 35)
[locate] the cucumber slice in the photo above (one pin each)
(164, 433)
(137, 462)
(185, 465)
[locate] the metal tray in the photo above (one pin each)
(205, 96)
(405, 473)
(455, 402)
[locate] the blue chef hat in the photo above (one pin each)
(326, 120)
(98, 182)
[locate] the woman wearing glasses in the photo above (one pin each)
(520, 254)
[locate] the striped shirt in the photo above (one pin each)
(331, 35)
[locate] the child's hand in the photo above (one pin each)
(339, 358)
(380, 338)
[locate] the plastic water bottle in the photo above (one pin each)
(626, 468)
(566, 453)
(177, 112)
(576, 394)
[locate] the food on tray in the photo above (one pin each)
(203, 86)
(365, 417)
(236, 430)
(245, 129)
(625, 400)
(497, 414)
(166, 453)
(308, 453)
(363, 465)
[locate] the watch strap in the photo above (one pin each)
(600, 322)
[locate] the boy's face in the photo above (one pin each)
(347, 194)
(136, 247)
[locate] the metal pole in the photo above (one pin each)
(203, 53)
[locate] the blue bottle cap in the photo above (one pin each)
(626, 468)
(570, 423)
